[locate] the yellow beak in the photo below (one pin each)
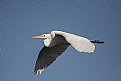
(41, 36)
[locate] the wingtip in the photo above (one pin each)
(38, 72)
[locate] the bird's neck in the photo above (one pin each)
(47, 42)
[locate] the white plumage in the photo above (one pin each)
(81, 44)
(56, 43)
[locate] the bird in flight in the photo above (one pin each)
(56, 42)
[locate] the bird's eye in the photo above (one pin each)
(43, 35)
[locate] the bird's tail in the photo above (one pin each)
(97, 41)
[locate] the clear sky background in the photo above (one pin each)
(94, 19)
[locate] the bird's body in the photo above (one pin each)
(56, 43)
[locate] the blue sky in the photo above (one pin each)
(95, 19)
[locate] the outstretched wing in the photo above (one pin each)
(47, 56)
(81, 44)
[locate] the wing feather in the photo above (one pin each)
(47, 56)
(81, 44)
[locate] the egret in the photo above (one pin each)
(56, 43)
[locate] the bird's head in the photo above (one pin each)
(45, 36)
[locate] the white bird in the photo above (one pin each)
(56, 43)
